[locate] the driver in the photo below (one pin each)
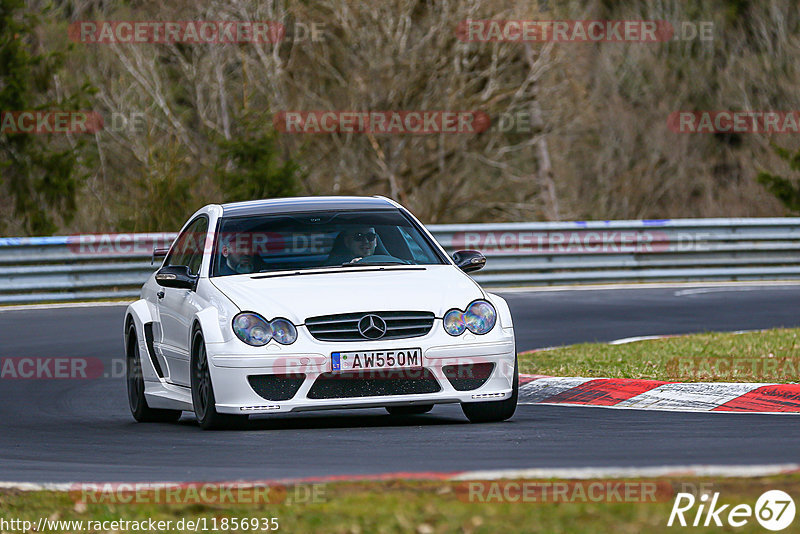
(360, 242)
(236, 256)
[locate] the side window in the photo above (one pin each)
(188, 249)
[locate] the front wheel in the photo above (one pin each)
(494, 411)
(203, 401)
(136, 399)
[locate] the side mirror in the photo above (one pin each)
(177, 276)
(159, 254)
(469, 260)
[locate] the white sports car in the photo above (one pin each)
(317, 303)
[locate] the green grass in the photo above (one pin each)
(421, 507)
(768, 356)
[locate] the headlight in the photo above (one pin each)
(454, 322)
(256, 331)
(283, 331)
(479, 318)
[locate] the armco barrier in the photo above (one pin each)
(44, 269)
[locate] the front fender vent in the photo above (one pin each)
(151, 351)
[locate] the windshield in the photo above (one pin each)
(309, 240)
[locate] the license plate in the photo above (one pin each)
(376, 359)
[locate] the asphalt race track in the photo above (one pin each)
(81, 430)
(543, 319)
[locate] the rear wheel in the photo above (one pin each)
(494, 411)
(136, 399)
(203, 401)
(409, 410)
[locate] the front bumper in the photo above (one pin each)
(483, 361)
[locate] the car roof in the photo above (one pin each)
(300, 204)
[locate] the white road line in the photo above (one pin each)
(647, 285)
(634, 339)
(703, 290)
(100, 304)
(635, 472)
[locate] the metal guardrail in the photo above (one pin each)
(69, 268)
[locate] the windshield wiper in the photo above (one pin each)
(286, 270)
(374, 264)
(298, 269)
(370, 267)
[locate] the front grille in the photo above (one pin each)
(373, 384)
(344, 326)
(276, 387)
(469, 376)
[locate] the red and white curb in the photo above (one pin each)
(659, 395)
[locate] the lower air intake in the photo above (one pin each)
(276, 387)
(373, 384)
(469, 376)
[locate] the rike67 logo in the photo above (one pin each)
(774, 510)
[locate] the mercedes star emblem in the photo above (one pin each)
(372, 327)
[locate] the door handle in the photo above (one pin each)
(160, 294)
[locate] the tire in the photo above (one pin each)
(203, 400)
(136, 398)
(409, 410)
(494, 411)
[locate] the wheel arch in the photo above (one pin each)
(503, 311)
(197, 327)
(138, 314)
(210, 324)
(126, 332)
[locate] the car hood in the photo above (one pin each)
(435, 288)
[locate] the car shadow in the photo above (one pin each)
(338, 419)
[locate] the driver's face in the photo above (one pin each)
(361, 241)
(238, 258)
